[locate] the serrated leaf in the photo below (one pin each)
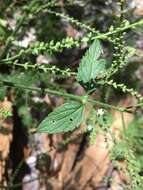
(63, 119)
(90, 67)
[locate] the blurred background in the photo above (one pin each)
(35, 161)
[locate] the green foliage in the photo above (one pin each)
(90, 67)
(93, 135)
(24, 113)
(97, 121)
(134, 134)
(63, 119)
(104, 118)
(4, 32)
(4, 114)
(130, 150)
(57, 35)
(2, 93)
(119, 151)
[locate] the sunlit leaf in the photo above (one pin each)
(90, 67)
(64, 118)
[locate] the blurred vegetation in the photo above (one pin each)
(41, 47)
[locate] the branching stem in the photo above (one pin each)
(64, 94)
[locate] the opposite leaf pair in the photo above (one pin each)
(70, 115)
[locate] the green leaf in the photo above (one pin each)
(90, 67)
(63, 119)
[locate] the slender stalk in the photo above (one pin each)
(7, 60)
(16, 173)
(121, 10)
(31, 88)
(10, 38)
(118, 30)
(105, 105)
(64, 94)
(99, 36)
(74, 21)
(135, 106)
(123, 124)
(44, 68)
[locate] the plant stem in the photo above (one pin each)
(100, 36)
(123, 124)
(64, 94)
(10, 38)
(118, 30)
(121, 10)
(105, 105)
(134, 106)
(31, 88)
(16, 172)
